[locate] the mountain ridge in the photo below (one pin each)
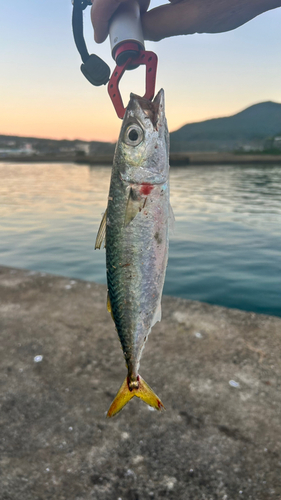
(251, 126)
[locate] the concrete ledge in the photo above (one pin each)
(176, 159)
(216, 370)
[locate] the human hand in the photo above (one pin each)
(103, 10)
(183, 17)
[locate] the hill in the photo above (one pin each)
(251, 127)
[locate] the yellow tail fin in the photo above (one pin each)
(143, 392)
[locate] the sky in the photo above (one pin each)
(44, 94)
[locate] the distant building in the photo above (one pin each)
(83, 148)
(277, 142)
(24, 151)
(28, 149)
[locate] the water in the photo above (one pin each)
(226, 247)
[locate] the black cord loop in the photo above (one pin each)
(93, 68)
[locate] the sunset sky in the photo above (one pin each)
(44, 94)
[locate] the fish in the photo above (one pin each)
(135, 231)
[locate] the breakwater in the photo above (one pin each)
(176, 159)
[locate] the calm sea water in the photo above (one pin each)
(226, 247)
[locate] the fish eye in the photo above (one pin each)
(133, 135)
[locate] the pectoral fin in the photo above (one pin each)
(134, 206)
(101, 236)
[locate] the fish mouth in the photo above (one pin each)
(154, 110)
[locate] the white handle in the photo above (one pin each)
(126, 26)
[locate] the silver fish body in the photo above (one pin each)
(137, 220)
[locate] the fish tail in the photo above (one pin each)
(143, 392)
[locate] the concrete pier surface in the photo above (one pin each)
(216, 370)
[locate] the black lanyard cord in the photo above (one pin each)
(93, 67)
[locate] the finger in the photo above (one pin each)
(169, 20)
(183, 17)
(103, 10)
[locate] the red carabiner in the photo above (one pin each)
(149, 59)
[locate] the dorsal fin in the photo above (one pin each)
(101, 236)
(157, 315)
